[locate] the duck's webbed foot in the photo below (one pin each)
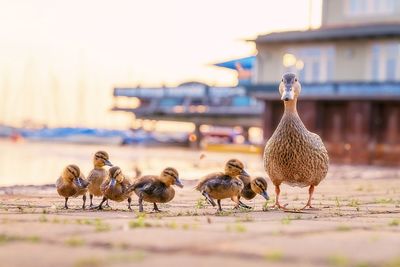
(156, 209)
(278, 206)
(308, 206)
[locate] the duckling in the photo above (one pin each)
(252, 187)
(156, 189)
(116, 188)
(294, 155)
(222, 185)
(97, 176)
(71, 184)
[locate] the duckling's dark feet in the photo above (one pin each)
(242, 205)
(96, 208)
(156, 209)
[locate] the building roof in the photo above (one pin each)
(333, 33)
(389, 91)
(246, 63)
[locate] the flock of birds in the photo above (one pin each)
(293, 155)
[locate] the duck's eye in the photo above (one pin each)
(295, 79)
(282, 79)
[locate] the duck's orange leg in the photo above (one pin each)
(277, 205)
(310, 194)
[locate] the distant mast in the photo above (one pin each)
(81, 94)
(310, 14)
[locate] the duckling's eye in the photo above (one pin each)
(282, 79)
(295, 79)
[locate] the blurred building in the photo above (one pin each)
(350, 72)
(194, 102)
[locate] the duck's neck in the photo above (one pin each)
(290, 107)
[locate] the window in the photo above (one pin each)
(385, 62)
(312, 64)
(369, 7)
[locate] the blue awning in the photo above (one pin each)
(246, 63)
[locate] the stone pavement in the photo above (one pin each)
(358, 224)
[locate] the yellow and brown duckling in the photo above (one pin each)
(294, 155)
(72, 184)
(156, 189)
(98, 175)
(116, 188)
(252, 187)
(222, 185)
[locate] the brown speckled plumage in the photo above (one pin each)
(156, 189)
(98, 174)
(72, 183)
(119, 192)
(116, 187)
(294, 155)
(96, 177)
(253, 186)
(223, 185)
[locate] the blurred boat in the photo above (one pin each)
(74, 135)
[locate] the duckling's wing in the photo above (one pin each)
(145, 184)
(208, 179)
(126, 185)
(82, 182)
(104, 185)
(59, 182)
(245, 179)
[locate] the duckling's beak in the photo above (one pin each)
(178, 183)
(108, 163)
(265, 195)
(244, 173)
(112, 183)
(288, 93)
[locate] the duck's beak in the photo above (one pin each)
(244, 173)
(178, 183)
(288, 93)
(112, 183)
(108, 163)
(265, 195)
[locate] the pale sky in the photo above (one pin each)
(60, 59)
